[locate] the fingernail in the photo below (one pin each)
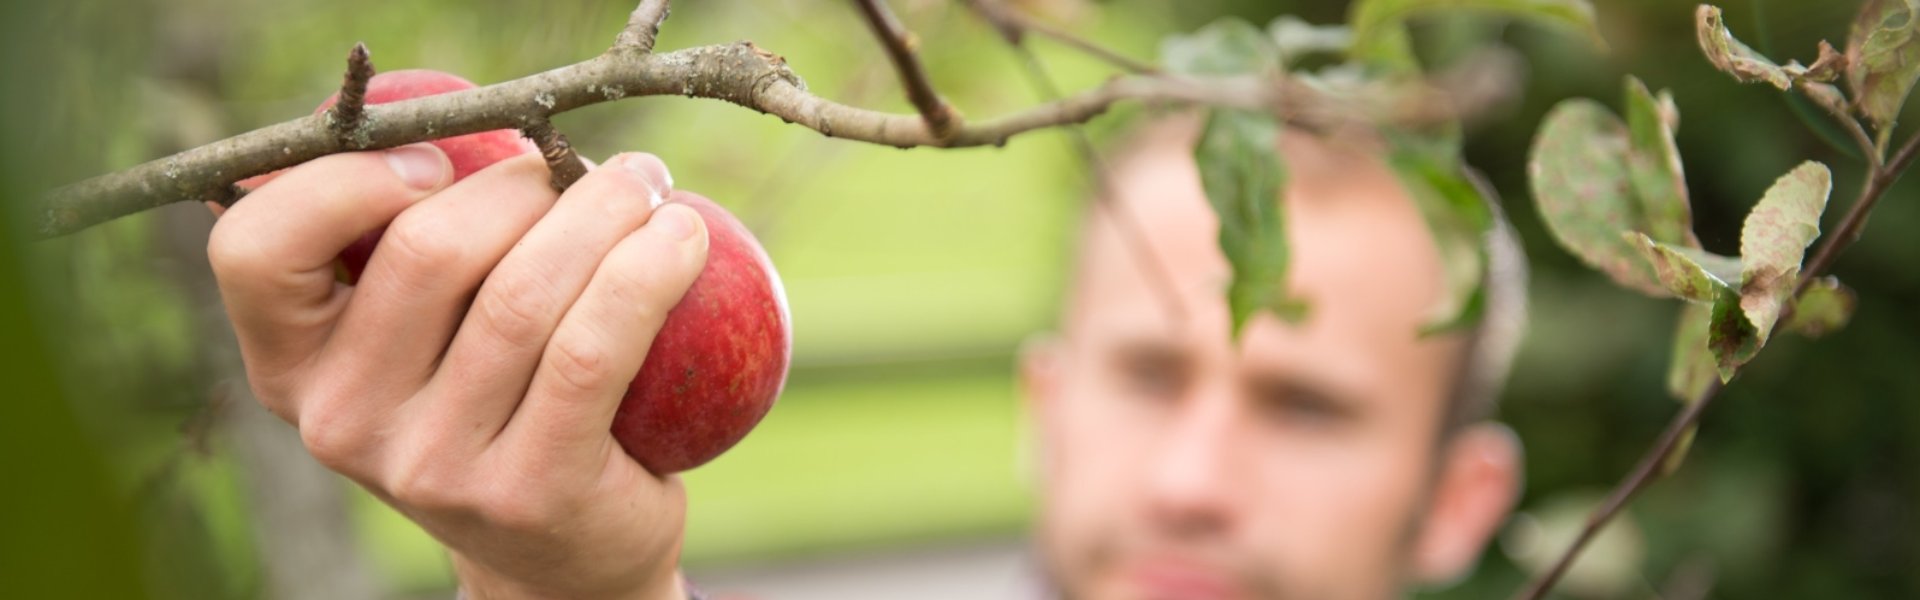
(677, 221)
(651, 170)
(421, 166)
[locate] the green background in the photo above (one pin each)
(913, 276)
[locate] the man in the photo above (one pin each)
(469, 378)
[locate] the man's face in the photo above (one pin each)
(1298, 462)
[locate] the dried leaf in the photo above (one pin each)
(1883, 58)
(1730, 55)
(1825, 307)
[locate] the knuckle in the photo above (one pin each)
(335, 441)
(423, 244)
(235, 255)
(516, 310)
(579, 365)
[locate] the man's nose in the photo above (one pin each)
(1192, 473)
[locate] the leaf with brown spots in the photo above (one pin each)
(1883, 58)
(1825, 307)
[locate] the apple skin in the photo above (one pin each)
(468, 153)
(720, 359)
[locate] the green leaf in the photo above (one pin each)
(1240, 169)
(1381, 23)
(1825, 307)
(1774, 241)
(1691, 368)
(1295, 38)
(1459, 215)
(1689, 273)
(1654, 164)
(1883, 58)
(1225, 47)
(1243, 176)
(1594, 179)
(1732, 56)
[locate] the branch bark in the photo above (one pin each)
(900, 44)
(1880, 178)
(643, 26)
(740, 73)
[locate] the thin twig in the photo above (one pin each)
(1878, 182)
(563, 165)
(901, 44)
(1013, 25)
(643, 26)
(349, 109)
(1132, 233)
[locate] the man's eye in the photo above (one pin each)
(1302, 407)
(1153, 379)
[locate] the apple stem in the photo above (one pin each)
(643, 26)
(562, 162)
(350, 109)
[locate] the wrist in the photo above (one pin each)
(480, 583)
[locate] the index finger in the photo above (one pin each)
(273, 252)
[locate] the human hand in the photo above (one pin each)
(470, 375)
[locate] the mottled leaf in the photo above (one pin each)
(1583, 176)
(1659, 182)
(1774, 240)
(1732, 56)
(1295, 38)
(1825, 307)
(1730, 336)
(1241, 172)
(1689, 273)
(1225, 47)
(1883, 58)
(1378, 22)
(1459, 216)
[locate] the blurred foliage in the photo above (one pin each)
(913, 277)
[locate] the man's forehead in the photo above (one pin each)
(1360, 253)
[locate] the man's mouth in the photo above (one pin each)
(1172, 577)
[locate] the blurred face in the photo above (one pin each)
(1302, 461)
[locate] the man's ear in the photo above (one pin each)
(1039, 370)
(1478, 483)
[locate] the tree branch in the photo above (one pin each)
(563, 165)
(643, 26)
(740, 73)
(1013, 25)
(1879, 180)
(941, 118)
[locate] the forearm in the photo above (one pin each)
(480, 583)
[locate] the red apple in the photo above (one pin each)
(719, 360)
